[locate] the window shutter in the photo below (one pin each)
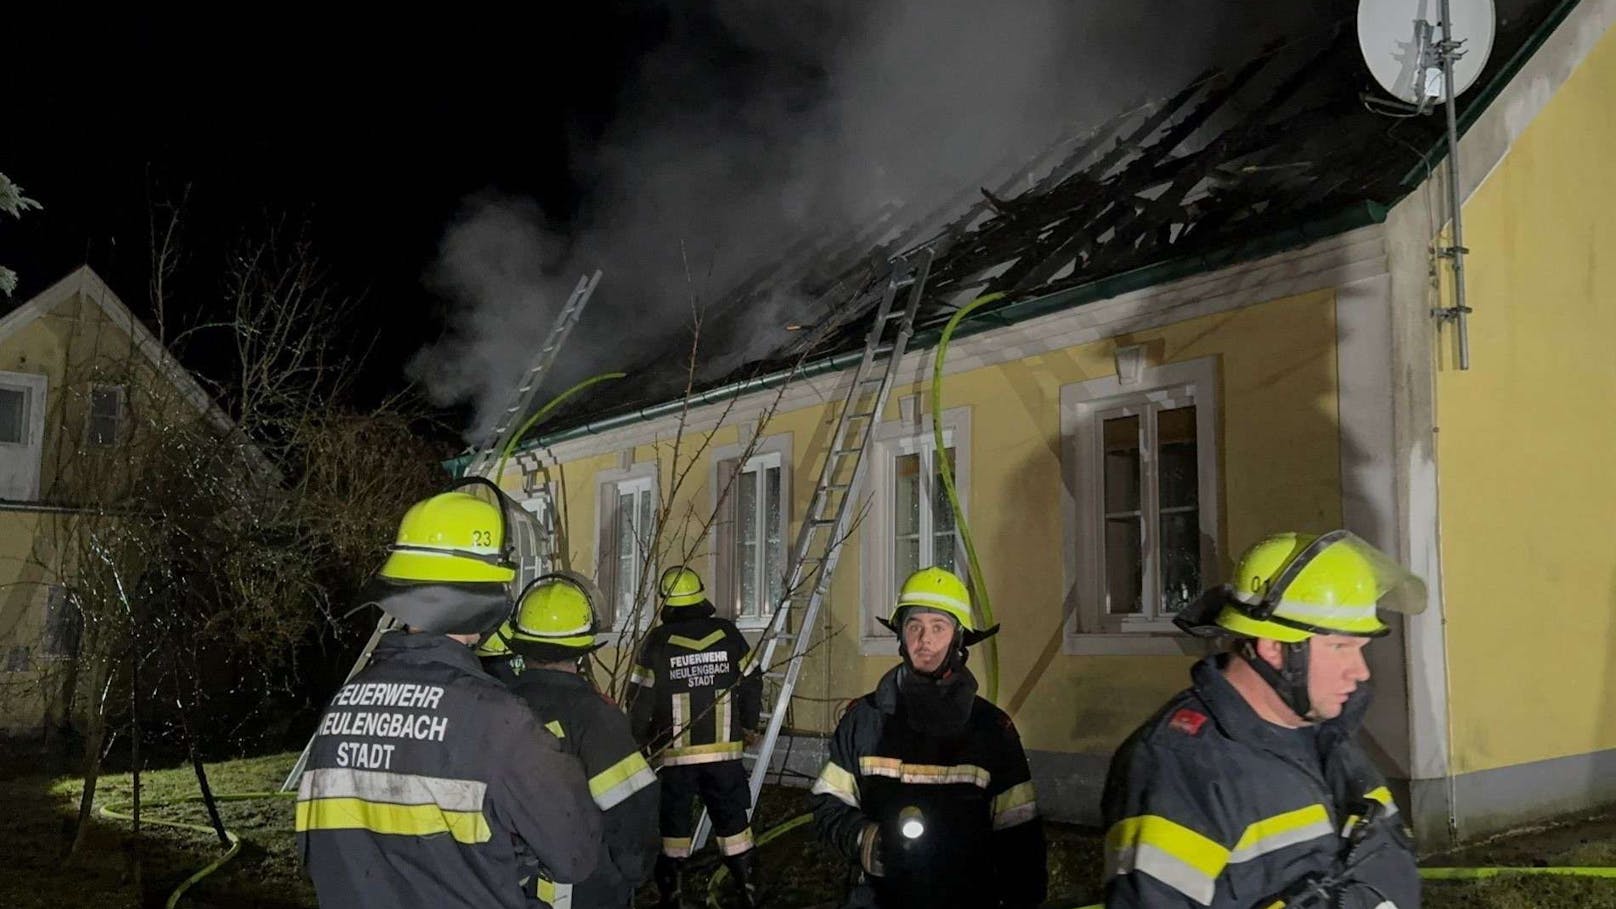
(726, 590)
(606, 552)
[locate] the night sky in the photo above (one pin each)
(372, 131)
(672, 116)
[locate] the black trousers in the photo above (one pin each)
(722, 787)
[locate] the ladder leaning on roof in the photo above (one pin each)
(829, 518)
(523, 398)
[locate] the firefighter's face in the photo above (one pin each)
(927, 637)
(1336, 668)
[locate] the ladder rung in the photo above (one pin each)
(843, 452)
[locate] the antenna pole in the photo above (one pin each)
(1448, 51)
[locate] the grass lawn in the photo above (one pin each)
(35, 825)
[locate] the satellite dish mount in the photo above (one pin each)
(1422, 63)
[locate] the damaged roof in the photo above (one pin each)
(1276, 153)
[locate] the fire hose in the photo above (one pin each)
(978, 582)
(119, 811)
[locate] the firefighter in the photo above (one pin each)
(428, 783)
(495, 655)
(696, 697)
(927, 790)
(1247, 789)
(552, 634)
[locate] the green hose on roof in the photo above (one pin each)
(545, 411)
(979, 590)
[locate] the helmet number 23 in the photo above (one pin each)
(482, 538)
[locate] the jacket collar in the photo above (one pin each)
(1239, 721)
(702, 610)
(424, 647)
(554, 678)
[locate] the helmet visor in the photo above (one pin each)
(1393, 587)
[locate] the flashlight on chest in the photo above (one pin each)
(911, 823)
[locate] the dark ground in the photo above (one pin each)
(36, 819)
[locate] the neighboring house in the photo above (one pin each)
(1202, 343)
(79, 377)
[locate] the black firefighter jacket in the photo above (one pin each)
(1207, 804)
(622, 783)
(695, 691)
(430, 784)
(983, 843)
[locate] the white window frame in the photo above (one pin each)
(538, 502)
(767, 448)
(117, 419)
(25, 456)
(877, 571)
(638, 478)
(1084, 407)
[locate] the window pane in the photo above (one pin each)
(906, 483)
(1124, 565)
(1121, 465)
(13, 415)
(626, 580)
(746, 538)
(104, 412)
(944, 545)
(774, 556)
(906, 561)
(104, 402)
(1181, 559)
(1175, 432)
(645, 528)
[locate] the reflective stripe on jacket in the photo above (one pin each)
(980, 841)
(1209, 805)
(695, 690)
(624, 786)
(426, 767)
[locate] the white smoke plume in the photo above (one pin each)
(758, 125)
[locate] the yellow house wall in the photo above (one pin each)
(73, 345)
(1279, 468)
(1525, 444)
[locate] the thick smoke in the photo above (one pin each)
(757, 128)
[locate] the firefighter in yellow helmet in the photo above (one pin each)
(428, 783)
(549, 641)
(1248, 789)
(927, 789)
(696, 695)
(496, 657)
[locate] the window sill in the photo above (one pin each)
(885, 645)
(1136, 643)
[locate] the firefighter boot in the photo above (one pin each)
(743, 868)
(667, 882)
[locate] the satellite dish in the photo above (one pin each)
(1399, 42)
